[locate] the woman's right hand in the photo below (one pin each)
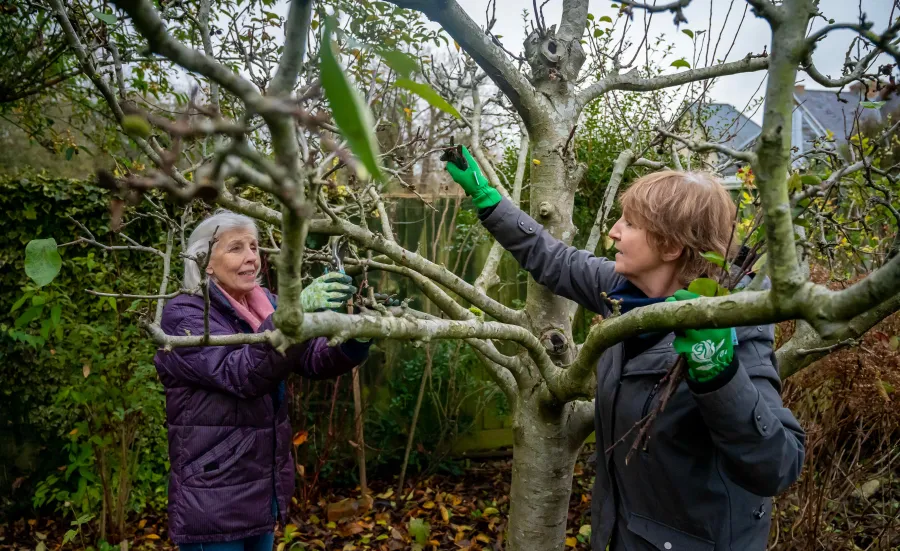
(327, 292)
(473, 182)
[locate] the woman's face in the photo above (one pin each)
(635, 256)
(235, 261)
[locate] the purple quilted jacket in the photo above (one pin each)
(229, 433)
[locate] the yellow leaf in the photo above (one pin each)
(428, 505)
(585, 530)
(482, 538)
(151, 537)
(444, 514)
(387, 494)
(280, 547)
(86, 370)
(571, 542)
(536, 162)
(455, 43)
(488, 511)
(142, 523)
(300, 437)
(73, 432)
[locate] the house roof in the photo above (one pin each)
(726, 125)
(833, 111)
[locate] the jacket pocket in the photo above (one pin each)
(222, 455)
(666, 538)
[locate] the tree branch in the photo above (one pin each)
(295, 31)
(632, 81)
(702, 147)
(148, 23)
(623, 161)
(806, 346)
(489, 57)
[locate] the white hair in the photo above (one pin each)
(198, 243)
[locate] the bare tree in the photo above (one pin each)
(550, 382)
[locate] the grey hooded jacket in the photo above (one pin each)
(703, 480)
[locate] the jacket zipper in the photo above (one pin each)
(649, 400)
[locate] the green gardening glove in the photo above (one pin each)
(474, 182)
(327, 292)
(707, 351)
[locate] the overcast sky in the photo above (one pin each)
(752, 35)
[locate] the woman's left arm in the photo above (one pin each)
(314, 359)
(761, 441)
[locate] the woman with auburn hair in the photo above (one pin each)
(725, 443)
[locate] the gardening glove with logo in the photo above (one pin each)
(328, 292)
(473, 182)
(708, 352)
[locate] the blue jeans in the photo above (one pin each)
(263, 542)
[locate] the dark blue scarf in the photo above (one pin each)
(631, 297)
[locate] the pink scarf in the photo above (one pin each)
(255, 307)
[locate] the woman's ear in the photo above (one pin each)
(672, 252)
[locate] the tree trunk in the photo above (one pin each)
(543, 463)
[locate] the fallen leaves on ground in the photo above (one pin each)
(468, 512)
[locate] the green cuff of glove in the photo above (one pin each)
(487, 198)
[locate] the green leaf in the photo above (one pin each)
(28, 316)
(872, 104)
(136, 126)
(715, 258)
(428, 94)
(348, 108)
(688, 32)
(420, 530)
(18, 304)
(760, 263)
(706, 287)
(888, 387)
(108, 18)
(42, 261)
(69, 152)
(606, 18)
(681, 63)
(590, 17)
(403, 64)
(55, 314)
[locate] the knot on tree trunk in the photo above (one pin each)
(555, 62)
(555, 342)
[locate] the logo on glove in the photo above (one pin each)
(707, 354)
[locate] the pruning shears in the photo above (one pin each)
(454, 154)
(334, 247)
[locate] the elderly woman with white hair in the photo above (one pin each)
(232, 475)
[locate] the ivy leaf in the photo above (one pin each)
(715, 258)
(108, 18)
(706, 287)
(42, 261)
(681, 63)
(688, 32)
(872, 104)
(428, 94)
(348, 108)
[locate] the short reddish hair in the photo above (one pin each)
(692, 210)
